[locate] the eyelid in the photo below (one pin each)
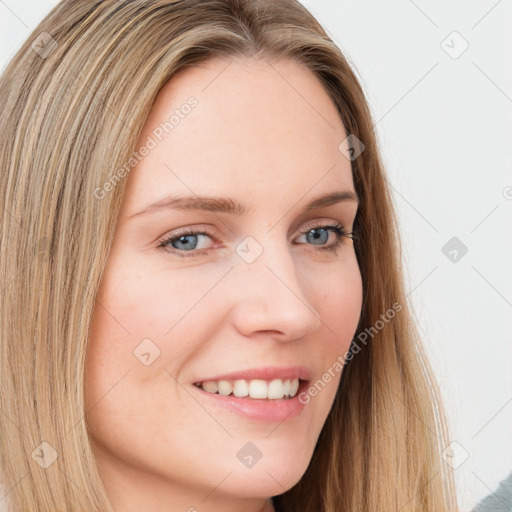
(319, 222)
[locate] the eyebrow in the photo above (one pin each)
(234, 207)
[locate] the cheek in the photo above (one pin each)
(339, 299)
(142, 311)
(129, 321)
(153, 301)
(341, 309)
(339, 306)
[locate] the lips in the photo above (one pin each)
(264, 410)
(266, 373)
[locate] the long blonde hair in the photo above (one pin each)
(73, 101)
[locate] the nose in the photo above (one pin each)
(270, 297)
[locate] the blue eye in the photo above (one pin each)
(338, 230)
(185, 241)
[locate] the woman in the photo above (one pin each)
(200, 271)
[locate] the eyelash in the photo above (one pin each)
(337, 228)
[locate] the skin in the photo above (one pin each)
(269, 139)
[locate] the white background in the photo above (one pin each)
(445, 129)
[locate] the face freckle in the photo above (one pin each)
(252, 138)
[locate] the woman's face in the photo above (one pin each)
(261, 296)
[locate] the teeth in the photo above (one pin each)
(287, 386)
(294, 387)
(276, 389)
(260, 389)
(240, 388)
(225, 387)
(210, 386)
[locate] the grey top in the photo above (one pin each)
(498, 501)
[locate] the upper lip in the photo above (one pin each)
(264, 373)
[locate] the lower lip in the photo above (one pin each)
(262, 409)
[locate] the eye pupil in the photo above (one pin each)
(318, 236)
(181, 240)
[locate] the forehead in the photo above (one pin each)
(243, 128)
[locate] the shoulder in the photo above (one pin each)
(498, 501)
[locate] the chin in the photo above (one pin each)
(270, 479)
